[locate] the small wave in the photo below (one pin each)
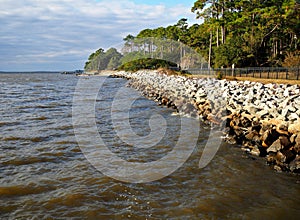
(69, 200)
(45, 106)
(65, 142)
(22, 190)
(53, 154)
(8, 123)
(41, 118)
(28, 160)
(32, 139)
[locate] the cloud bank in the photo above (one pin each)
(60, 34)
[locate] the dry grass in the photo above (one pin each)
(265, 81)
(251, 79)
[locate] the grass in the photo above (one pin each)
(264, 81)
(253, 79)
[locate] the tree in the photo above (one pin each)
(101, 60)
(262, 30)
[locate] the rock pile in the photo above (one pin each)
(263, 119)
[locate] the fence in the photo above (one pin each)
(256, 72)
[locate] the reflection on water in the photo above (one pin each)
(43, 173)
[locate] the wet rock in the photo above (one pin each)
(280, 158)
(251, 135)
(297, 143)
(271, 158)
(295, 165)
(269, 137)
(276, 146)
(289, 155)
(285, 142)
(293, 138)
(255, 151)
(277, 168)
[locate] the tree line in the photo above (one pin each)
(240, 32)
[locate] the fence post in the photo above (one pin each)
(276, 73)
(260, 73)
(269, 73)
(287, 74)
(298, 72)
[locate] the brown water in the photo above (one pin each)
(44, 174)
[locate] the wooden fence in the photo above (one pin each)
(256, 72)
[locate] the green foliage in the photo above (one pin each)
(292, 59)
(219, 76)
(259, 33)
(146, 63)
(101, 60)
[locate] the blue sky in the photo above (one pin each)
(165, 2)
(60, 34)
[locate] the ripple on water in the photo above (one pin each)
(18, 138)
(25, 189)
(19, 161)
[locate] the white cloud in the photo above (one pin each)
(46, 34)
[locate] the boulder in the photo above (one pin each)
(269, 137)
(280, 158)
(297, 143)
(275, 147)
(289, 155)
(294, 128)
(277, 168)
(255, 151)
(295, 164)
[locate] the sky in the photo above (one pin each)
(59, 35)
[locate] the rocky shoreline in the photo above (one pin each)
(264, 119)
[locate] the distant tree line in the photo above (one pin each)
(241, 32)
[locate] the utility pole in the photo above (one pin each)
(210, 48)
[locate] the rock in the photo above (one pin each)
(280, 158)
(285, 142)
(289, 155)
(293, 138)
(295, 165)
(293, 117)
(251, 134)
(262, 114)
(282, 128)
(200, 101)
(251, 109)
(276, 146)
(294, 128)
(297, 144)
(269, 137)
(255, 151)
(213, 119)
(278, 123)
(297, 139)
(277, 168)
(271, 158)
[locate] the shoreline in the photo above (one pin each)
(264, 119)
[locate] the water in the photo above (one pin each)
(44, 174)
